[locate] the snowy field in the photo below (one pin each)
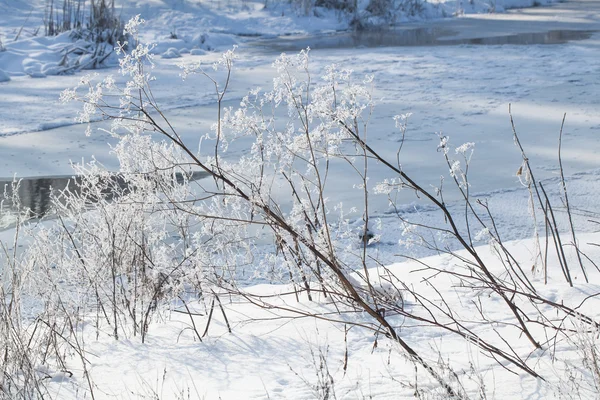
(263, 341)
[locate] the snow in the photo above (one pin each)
(461, 91)
(172, 52)
(176, 25)
(275, 353)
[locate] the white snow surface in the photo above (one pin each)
(272, 353)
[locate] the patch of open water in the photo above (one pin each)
(416, 37)
(35, 193)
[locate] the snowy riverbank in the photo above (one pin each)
(161, 297)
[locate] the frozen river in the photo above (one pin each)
(457, 77)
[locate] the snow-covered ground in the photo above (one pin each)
(461, 91)
(278, 352)
(205, 25)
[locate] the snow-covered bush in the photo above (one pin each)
(94, 27)
(130, 245)
(291, 157)
(344, 5)
(365, 14)
(21, 352)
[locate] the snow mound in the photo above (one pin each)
(197, 44)
(164, 45)
(33, 68)
(4, 76)
(171, 53)
(51, 68)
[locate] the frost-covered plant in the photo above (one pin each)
(94, 27)
(19, 357)
(578, 374)
(133, 243)
(115, 244)
(323, 386)
(293, 155)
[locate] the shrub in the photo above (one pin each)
(116, 262)
(96, 29)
